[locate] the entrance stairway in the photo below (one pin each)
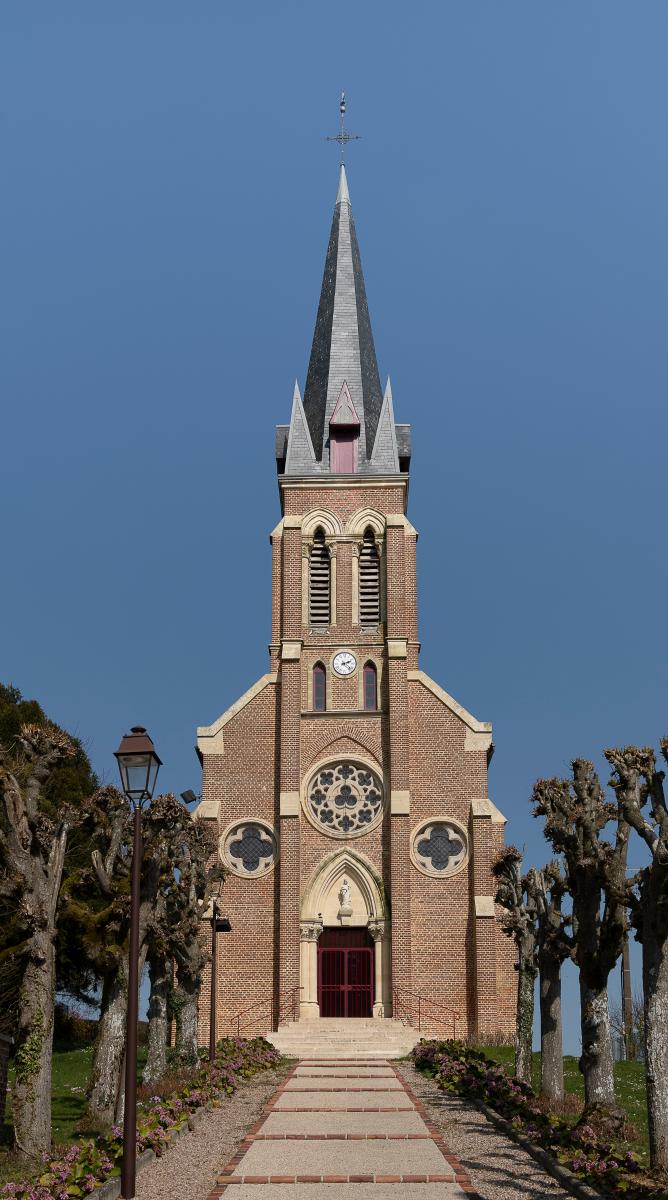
(344, 1038)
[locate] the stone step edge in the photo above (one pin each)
(226, 1180)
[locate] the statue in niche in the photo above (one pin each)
(344, 895)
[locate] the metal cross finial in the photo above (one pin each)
(343, 137)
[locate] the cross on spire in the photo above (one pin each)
(343, 137)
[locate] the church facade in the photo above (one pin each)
(348, 789)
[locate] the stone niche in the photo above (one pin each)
(344, 890)
(341, 909)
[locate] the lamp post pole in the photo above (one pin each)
(214, 980)
(138, 764)
(129, 1161)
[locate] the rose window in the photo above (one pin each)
(345, 800)
(249, 848)
(439, 848)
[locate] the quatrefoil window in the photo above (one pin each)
(439, 848)
(249, 848)
(345, 800)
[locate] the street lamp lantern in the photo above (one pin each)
(138, 764)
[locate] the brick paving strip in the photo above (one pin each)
(294, 1151)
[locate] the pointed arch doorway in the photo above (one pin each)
(346, 972)
(345, 952)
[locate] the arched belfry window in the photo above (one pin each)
(319, 688)
(370, 684)
(319, 582)
(369, 576)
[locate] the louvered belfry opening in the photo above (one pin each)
(369, 577)
(318, 586)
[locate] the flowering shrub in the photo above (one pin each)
(612, 1170)
(88, 1164)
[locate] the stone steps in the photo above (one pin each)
(334, 1038)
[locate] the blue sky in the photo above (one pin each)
(164, 216)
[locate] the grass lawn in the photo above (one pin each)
(71, 1069)
(629, 1085)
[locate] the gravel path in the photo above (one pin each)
(188, 1170)
(500, 1169)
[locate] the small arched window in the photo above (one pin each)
(319, 688)
(370, 684)
(369, 576)
(318, 584)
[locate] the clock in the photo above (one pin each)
(344, 662)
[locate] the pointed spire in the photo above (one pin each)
(343, 349)
(385, 455)
(343, 193)
(300, 458)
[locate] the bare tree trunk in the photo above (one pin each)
(551, 1047)
(630, 1052)
(105, 1079)
(186, 1025)
(655, 980)
(524, 1023)
(158, 1022)
(596, 1062)
(32, 1089)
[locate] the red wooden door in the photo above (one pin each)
(345, 973)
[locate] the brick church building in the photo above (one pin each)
(349, 789)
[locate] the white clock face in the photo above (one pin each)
(344, 663)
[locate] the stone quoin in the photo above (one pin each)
(348, 790)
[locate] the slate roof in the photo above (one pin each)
(342, 353)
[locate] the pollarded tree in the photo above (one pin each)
(639, 786)
(554, 946)
(199, 879)
(519, 921)
(576, 813)
(100, 903)
(33, 841)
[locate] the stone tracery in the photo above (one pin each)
(248, 848)
(439, 848)
(346, 799)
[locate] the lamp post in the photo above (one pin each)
(214, 979)
(138, 764)
(218, 925)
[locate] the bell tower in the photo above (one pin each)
(343, 485)
(349, 789)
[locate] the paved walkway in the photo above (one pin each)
(343, 1129)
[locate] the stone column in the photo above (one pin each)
(309, 932)
(355, 583)
(377, 931)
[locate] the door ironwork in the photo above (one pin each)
(345, 973)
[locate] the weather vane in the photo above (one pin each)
(343, 137)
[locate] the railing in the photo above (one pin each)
(418, 1011)
(283, 1007)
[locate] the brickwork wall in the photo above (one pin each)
(244, 980)
(344, 501)
(439, 948)
(290, 769)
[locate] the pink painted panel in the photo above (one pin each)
(343, 451)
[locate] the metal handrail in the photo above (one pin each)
(421, 1000)
(274, 1004)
